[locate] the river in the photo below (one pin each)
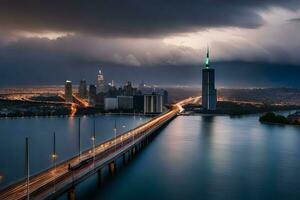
(209, 158)
(194, 157)
(40, 130)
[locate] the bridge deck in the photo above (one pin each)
(53, 181)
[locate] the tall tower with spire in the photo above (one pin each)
(209, 92)
(100, 82)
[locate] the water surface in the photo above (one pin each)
(40, 130)
(209, 158)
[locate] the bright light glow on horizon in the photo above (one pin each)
(51, 35)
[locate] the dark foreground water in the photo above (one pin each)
(209, 158)
(40, 132)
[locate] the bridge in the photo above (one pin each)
(63, 177)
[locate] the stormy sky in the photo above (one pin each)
(252, 42)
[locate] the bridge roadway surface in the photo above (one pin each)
(51, 182)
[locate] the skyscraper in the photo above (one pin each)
(209, 93)
(68, 91)
(153, 103)
(82, 90)
(100, 82)
(92, 95)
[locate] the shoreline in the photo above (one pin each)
(76, 116)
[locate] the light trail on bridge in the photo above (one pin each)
(42, 184)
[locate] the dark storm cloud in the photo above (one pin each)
(295, 20)
(133, 17)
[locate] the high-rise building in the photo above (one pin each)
(209, 93)
(138, 103)
(128, 89)
(68, 91)
(82, 90)
(92, 95)
(100, 83)
(125, 103)
(100, 100)
(110, 104)
(153, 103)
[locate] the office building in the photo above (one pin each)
(153, 103)
(209, 93)
(92, 95)
(68, 91)
(110, 104)
(125, 103)
(128, 90)
(100, 100)
(100, 83)
(138, 103)
(82, 90)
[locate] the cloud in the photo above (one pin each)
(133, 18)
(295, 20)
(155, 39)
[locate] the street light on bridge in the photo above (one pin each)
(79, 144)
(27, 167)
(54, 157)
(93, 141)
(115, 131)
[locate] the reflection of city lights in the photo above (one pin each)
(73, 109)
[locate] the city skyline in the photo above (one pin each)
(253, 42)
(155, 99)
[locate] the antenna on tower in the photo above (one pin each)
(207, 58)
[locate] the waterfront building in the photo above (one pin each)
(153, 103)
(100, 83)
(138, 103)
(82, 90)
(165, 97)
(100, 100)
(110, 104)
(68, 91)
(125, 102)
(92, 95)
(209, 93)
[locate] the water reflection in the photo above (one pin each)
(199, 157)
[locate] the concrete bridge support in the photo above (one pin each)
(112, 168)
(124, 159)
(99, 174)
(71, 193)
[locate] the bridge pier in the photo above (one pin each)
(99, 173)
(124, 158)
(112, 168)
(133, 151)
(71, 194)
(130, 154)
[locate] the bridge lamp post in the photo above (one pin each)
(122, 136)
(115, 131)
(93, 141)
(79, 150)
(27, 167)
(54, 157)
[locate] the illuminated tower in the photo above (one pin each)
(100, 82)
(68, 91)
(82, 90)
(209, 93)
